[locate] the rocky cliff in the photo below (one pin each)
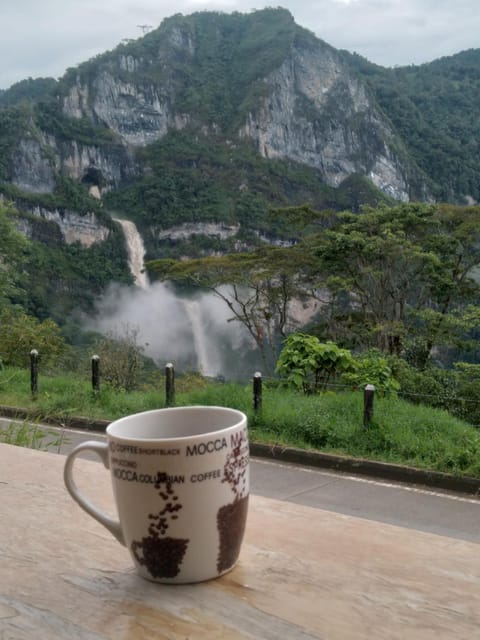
(317, 113)
(39, 158)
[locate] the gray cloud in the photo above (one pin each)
(45, 38)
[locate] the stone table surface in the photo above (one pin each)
(303, 573)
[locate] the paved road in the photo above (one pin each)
(448, 514)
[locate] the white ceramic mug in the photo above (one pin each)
(180, 480)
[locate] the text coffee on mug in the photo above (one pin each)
(180, 480)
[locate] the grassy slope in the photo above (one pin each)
(401, 432)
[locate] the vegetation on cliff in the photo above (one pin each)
(435, 108)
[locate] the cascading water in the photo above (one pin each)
(184, 323)
(200, 340)
(136, 252)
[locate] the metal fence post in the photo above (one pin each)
(368, 395)
(96, 373)
(257, 391)
(34, 372)
(169, 385)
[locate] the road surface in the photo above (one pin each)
(440, 512)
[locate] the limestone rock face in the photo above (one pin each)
(73, 227)
(37, 160)
(138, 111)
(79, 161)
(317, 114)
(140, 116)
(209, 229)
(32, 169)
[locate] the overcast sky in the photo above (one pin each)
(45, 37)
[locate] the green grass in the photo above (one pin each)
(400, 432)
(32, 436)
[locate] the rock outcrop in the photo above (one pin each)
(32, 168)
(318, 114)
(208, 229)
(85, 229)
(38, 160)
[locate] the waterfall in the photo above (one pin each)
(200, 339)
(192, 308)
(136, 252)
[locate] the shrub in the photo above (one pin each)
(20, 333)
(121, 359)
(308, 364)
(372, 367)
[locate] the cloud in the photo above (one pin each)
(395, 32)
(44, 38)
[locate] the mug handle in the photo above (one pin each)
(101, 449)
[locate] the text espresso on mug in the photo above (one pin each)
(180, 481)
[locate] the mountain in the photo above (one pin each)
(435, 109)
(196, 129)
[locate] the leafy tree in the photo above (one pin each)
(376, 267)
(20, 333)
(400, 271)
(453, 311)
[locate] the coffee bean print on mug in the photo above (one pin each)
(159, 553)
(232, 517)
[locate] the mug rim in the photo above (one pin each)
(240, 415)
